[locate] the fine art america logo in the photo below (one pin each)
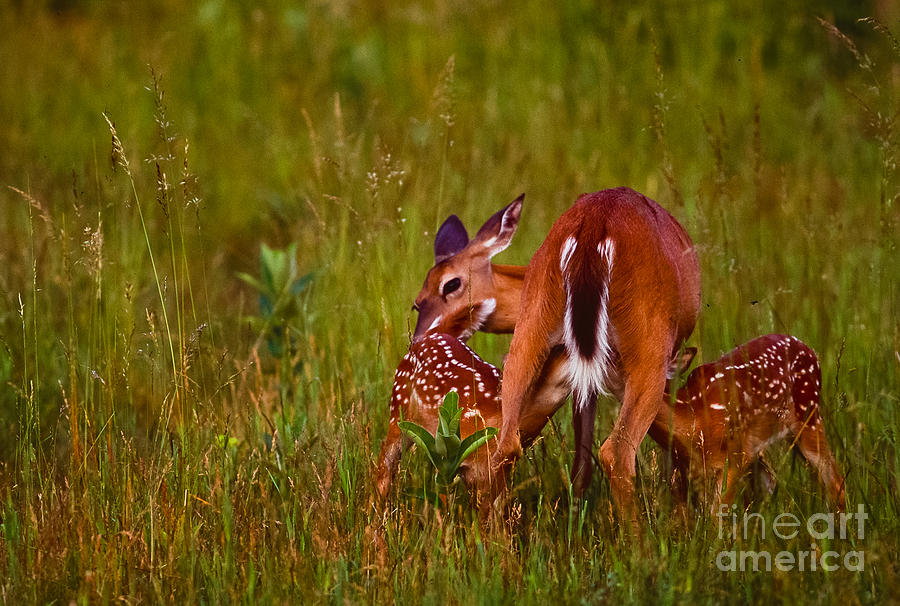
(834, 530)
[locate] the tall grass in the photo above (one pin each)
(155, 452)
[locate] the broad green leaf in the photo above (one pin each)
(474, 442)
(443, 420)
(440, 446)
(266, 309)
(420, 436)
(452, 441)
(450, 414)
(277, 265)
(300, 284)
(451, 400)
(267, 265)
(453, 429)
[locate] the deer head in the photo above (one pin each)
(463, 291)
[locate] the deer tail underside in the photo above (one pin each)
(586, 266)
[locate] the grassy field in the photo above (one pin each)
(175, 433)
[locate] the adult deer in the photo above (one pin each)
(729, 411)
(616, 282)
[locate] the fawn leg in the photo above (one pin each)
(389, 460)
(815, 449)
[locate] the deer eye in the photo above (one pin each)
(451, 285)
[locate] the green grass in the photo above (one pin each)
(153, 452)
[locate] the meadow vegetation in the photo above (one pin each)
(215, 217)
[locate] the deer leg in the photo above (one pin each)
(676, 478)
(389, 460)
(490, 487)
(815, 449)
(584, 408)
(735, 471)
(763, 476)
(643, 397)
(528, 351)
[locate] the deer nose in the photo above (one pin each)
(425, 322)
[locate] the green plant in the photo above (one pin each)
(280, 288)
(445, 449)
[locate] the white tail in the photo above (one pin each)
(587, 300)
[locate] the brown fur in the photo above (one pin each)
(725, 415)
(729, 411)
(654, 299)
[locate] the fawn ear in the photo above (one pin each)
(497, 232)
(682, 361)
(450, 239)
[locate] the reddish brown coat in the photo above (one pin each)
(729, 411)
(649, 288)
(619, 263)
(726, 414)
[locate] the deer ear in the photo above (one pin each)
(497, 232)
(450, 239)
